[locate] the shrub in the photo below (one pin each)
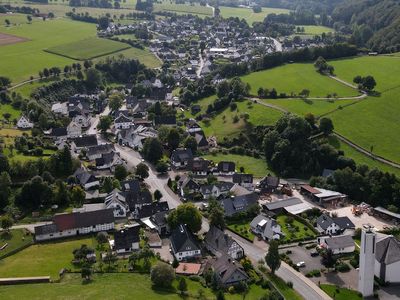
(342, 267)
(289, 284)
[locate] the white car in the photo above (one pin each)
(301, 264)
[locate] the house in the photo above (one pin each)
(76, 223)
(268, 184)
(221, 244)
(131, 102)
(180, 158)
(244, 180)
(291, 205)
(59, 134)
(199, 166)
(387, 259)
(86, 180)
(60, 108)
(135, 196)
(228, 271)
(153, 239)
(201, 139)
(146, 211)
(183, 244)
(266, 227)
(122, 122)
(193, 126)
(24, 123)
(325, 198)
(83, 142)
(95, 152)
(216, 190)
(338, 244)
(187, 186)
(135, 136)
(238, 204)
(127, 239)
(165, 120)
(226, 168)
(333, 226)
(82, 120)
(386, 214)
(108, 161)
(117, 202)
(159, 221)
(74, 130)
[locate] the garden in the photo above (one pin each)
(295, 229)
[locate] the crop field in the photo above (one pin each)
(224, 125)
(88, 48)
(195, 9)
(144, 56)
(8, 39)
(293, 78)
(249, 15)
(42, 259)
(304, 106)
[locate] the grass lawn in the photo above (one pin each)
(360, 158)
(256, 166)
(341, 294)
(281, 285)
(195, 9)
(293, 78)
(243, 229)
(7, 108)
(248, 14)
(88, 48)
(223, 125)
(294, 231)
(316, 107)
(43, 259)
(11, 132)
(315, 30)
(17, 238)
(144, 56)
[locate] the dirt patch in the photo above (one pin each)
(8, 39)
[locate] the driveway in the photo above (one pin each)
(165, 254)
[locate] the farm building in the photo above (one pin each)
(324, 197)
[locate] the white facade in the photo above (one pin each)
(392, 272)
(89, 185)
(186, 254)
(367, 261)
(75, 231)
(235, 251)
(24, 123)
(74, 130)
(134, 246)
(332, 229)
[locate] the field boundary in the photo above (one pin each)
(92, 57)
(16, 250)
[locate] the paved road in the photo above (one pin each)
(304, 286)
(30, 227)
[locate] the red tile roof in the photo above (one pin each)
(310, 189)
(188, 269)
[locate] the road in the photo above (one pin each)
(304, 286)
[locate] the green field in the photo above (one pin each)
(144, 56)
(88, 48)
(290, 231)
(340, 293)
(248, 14)
(42, 259)
(16, 239)
(256, 166)
(316, 107)
(223, 123)
(194, 9)
(7, 108)
(315, 30)
(293, 78)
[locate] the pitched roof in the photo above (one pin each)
(226, 166)
(183, 240)
(242, 178)
(122, 119)
(165, 120)
(181, 155)
(341, 241)
(100, 149)
(225, 268)
(238, 204)
(188, 268)
(148, 210)
(62, 131)
(218, 241)
(344, 223)
(324, 221)
(124, 238)
(283, 203)
(388, 250)
(85, 141)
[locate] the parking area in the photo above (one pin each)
(164, 250)
(359, 221)
(300, 253)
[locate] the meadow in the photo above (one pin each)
(248, 14)
(45, 259)
(194, 9)
(16, 239)
(293, 78)
(340, 293)
(315, 30)
(256, 166)
(8, 109)
(89, 48)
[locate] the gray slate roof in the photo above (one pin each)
(388, 250)
(182, 240)
(341, 241)
(218, 241)
(283, 203)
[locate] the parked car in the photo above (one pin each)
(301, 264)
(314, 253)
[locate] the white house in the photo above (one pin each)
(329, 225)
(183, 244)
(117, 202)
(24, 123)
(338, 244)
(82, 120)
(221, 244)
(74, 130)
(122, 122)
(266, 227)
(387, 259)
(76, 223)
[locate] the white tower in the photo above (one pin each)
(367, 261)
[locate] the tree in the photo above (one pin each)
(102, 237)
(103, 22)
(5, 189)
(104, 123)
(142, 170)
(191, 143)
(157, 195)
(78, 196)
(216, 214)
(328, 259)
(310, 118)
(257, 9)
(304, 93)
(153, 150)
(115, 101)
(93, 78)
(162, 275)
(393, 208)
(29, 18)
(173, 139)
(6, 223)
(162, 167)
(220, 295)
(182, 286)
(87, 64)
(7, 21)
(120, 172)
(188, 214)
(79, 75)
(110, 258)
(369, 83)
(86, 272)
(326, 126)
(272, 258)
